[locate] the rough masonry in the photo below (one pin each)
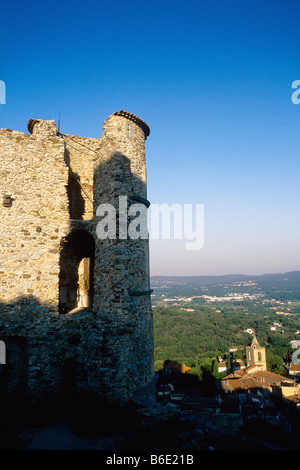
(75, 310)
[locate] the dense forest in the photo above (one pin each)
(196, 336)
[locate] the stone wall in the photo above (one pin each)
(34, 175)
(51, 256)
(80, 156)
(121, 265)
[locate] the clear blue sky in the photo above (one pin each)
(213, 81)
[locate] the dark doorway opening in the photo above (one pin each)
(70, 387)
(13, 374)
(13, 389)
(70, 379)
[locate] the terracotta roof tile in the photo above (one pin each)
(293, 399)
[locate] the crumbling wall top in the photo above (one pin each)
(131, 117)
(42, 127)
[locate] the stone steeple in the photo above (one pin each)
(256, 354)
(255, 343)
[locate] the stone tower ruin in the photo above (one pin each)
(75, 309)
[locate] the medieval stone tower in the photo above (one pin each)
(256, 354)
(75, 312)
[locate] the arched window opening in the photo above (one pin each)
(259, 356)
(76, 272)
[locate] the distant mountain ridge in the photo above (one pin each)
(291, 276)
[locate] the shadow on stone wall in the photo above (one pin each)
(105, 349)
(38, 381)
(76, 200)
(48, 371)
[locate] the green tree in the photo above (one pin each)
(158, 365)
(216, 366)
(275, 364)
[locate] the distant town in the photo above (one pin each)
(279, 292)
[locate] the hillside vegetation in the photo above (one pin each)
(197, 335)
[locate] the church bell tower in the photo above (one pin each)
(256, 354)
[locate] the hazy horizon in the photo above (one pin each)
(225, 274)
